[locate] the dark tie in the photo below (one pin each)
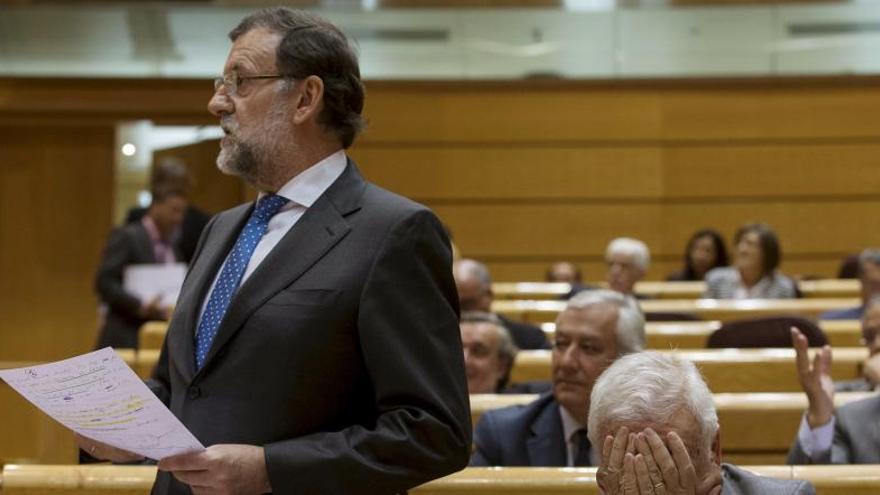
(582, 451)
(233, 270)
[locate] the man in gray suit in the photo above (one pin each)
(847, 436)
(315, 345)
(654, 421)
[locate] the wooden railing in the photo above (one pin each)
(535, 311)
(827, 288)
(137, 480)
(725, 370)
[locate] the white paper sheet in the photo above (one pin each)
(98, 396)
(149, 281)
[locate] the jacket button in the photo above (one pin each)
(194, 392)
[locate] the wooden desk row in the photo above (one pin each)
(535, 311)
(725, 370)
(660, 335)
(832, 288)
(137, 480)
(756, 428)
(695, 334)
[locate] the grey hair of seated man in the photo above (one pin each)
(473, 269)
(630, 331)
(506, 348)
(651, 389)
(641, 256)
(870, 255)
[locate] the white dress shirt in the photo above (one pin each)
(302, 191)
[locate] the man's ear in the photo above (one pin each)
(309, 99)
(716, 448)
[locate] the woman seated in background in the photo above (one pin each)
(753, 274)
(705, 251)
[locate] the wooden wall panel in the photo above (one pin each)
(441, 173)
(585, 173)
(584, 230)
(55, 209)
(646, 111)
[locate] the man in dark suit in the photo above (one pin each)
(846, 436)
(172, 173)
(147, 241)
(655, 419)
(595, 328)
(474, 286)
(335, 366)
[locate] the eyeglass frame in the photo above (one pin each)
(232, 81)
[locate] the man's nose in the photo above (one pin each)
(220, 104)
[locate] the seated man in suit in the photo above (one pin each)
(488, 352)
(628, 261)
(475, 294)
(655, 420)
(144, 242)
(847, 436)
(595, 328)
(869, 276)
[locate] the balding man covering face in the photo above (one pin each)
(654, 423)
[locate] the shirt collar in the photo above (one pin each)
(569, 425)
(152, 230)
(307, 186)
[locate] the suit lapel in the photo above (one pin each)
(222, 236)
(143, 244)
(546, 446)
(320, 228)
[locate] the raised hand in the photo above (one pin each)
(815, 379)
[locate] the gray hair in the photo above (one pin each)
(473, 269)
(506, 348)
(651, 388)
(632, 247)
(630, 330)
(870, 255)
(312, 46)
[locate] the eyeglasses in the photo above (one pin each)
(232, 81)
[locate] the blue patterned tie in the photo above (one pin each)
(233, 270)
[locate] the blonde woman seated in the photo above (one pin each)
(753, 275)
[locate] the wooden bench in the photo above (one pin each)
(756, 428)
(725, 370)
(705, 309)
(137, 480)
(661, 335)
(694, 334)
(827, 288)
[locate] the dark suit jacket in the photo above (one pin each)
(127, 245)
(738, 481)
(856, 436)
(340, 355)
(194, 221)
(529, 435)
(525, 336)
